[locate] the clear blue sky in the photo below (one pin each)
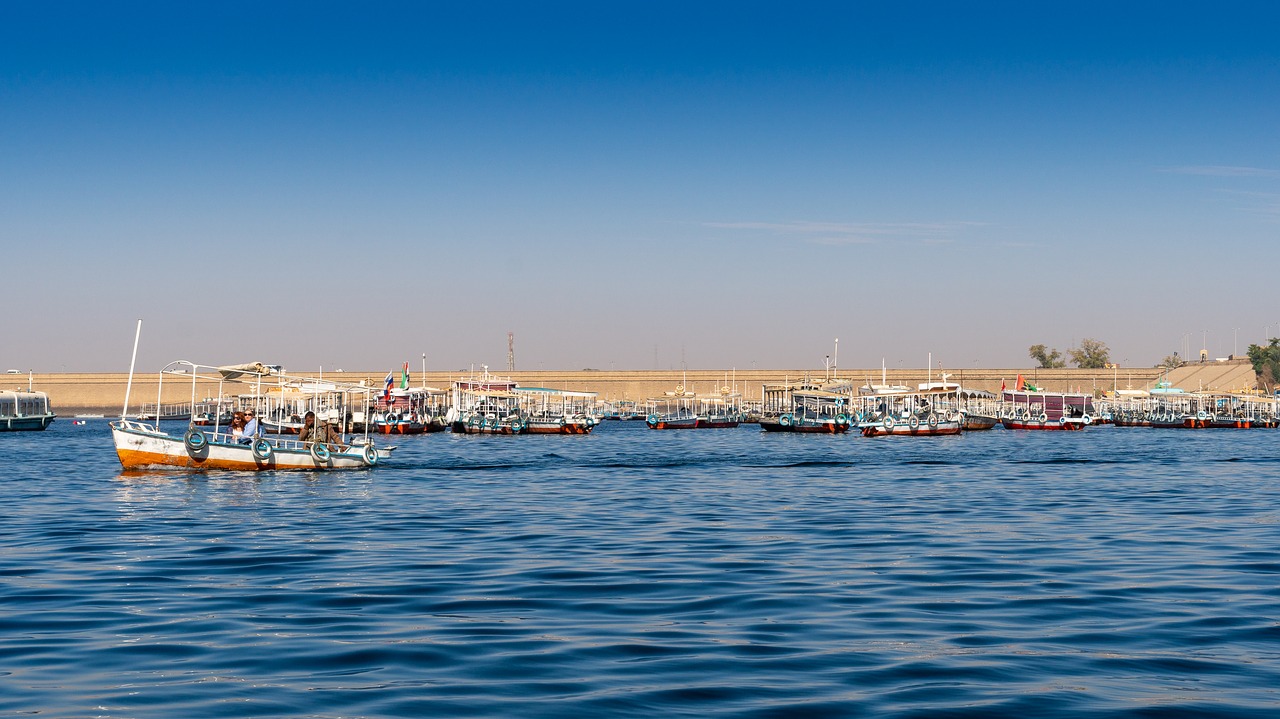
(632, 184)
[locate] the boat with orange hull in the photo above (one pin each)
(146, 445)
(141, 445)
(410, 410)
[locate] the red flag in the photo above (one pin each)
(1022, 383)
(1002, 384)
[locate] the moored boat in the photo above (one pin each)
(24, 411)
(806, 407)
(1034, 409)
(676, 410)
(486, 404)
(557, 411)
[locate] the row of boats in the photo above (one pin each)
(487, 404)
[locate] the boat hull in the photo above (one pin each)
(25, 424)
(141, 447)
(485, 428)
(682, 423)
(1050, 425)
(905, 429)
(399, 427)
(978, 422)
(560, 427)
(828, 426)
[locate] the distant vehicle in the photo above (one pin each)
(13, 371)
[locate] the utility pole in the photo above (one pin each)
(511, 352)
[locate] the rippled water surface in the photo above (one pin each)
(1107, 573)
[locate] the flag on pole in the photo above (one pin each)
(1022, 383)
(404, 377)
(386, 393)
(1002, 384)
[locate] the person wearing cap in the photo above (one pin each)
(252, 430)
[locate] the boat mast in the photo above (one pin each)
(136, 335)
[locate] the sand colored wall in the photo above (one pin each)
(104, 392)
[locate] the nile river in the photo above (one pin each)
(631, 573)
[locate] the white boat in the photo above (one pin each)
(141, 445)
(486, 404)
(557, 411)
(148, 445)
(20, 411)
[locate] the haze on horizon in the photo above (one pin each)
(635, 186)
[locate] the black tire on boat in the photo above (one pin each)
(195, 439)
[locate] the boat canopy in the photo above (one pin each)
(258, 369)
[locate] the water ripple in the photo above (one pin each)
(1110, 573)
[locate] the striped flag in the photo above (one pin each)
(386, 393)
(404, 377)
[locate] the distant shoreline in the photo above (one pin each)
(103, 392)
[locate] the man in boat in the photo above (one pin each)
(313, 431)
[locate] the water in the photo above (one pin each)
(1106, 573)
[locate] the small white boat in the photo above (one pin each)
(147, 445)
(142, 445)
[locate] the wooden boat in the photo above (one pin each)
(1179, 420)
(932, 409)
(141, 445)
(147, 445)
(675, 411)
(913, 425)
(806, 407)
(557, 411)
(723, 411)
(486, 404)
(682, 409)
(1043, 422)
(973, 422)
(1040, 410)
(412, 410)
(24, 411)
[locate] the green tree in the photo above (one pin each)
(1266, 362)
(1048, 359)
(1091, 354)
(1173, 361)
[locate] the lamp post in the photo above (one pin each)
(1235, 342)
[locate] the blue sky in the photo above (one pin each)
(635, 185)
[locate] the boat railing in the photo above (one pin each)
(224, 438)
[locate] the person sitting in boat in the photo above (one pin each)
(252, 430)
(313, 431)
(236, 427)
